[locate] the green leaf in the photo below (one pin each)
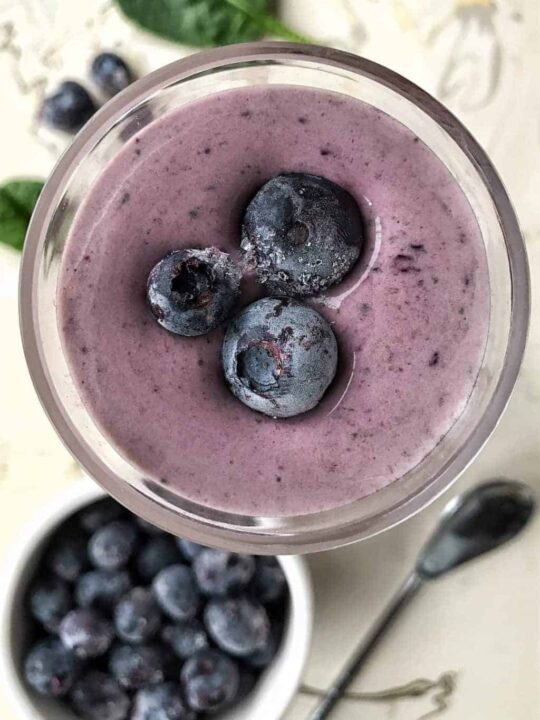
(17, 201)
(206, 23)
(201, 23)
(270, 25)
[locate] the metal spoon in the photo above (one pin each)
(471, 524)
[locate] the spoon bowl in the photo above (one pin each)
(474, 523)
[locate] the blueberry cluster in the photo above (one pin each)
(133, 623)
(70, 106)
(301, 234)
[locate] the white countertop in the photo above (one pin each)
(482, 623)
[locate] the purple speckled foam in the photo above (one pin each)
(411, 332)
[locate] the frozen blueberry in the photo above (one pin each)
(68, 108)
(158, 553)
(302, 234)
(67, 556)
(137, 617)
(99, 514)
(135, 666)
(189, 549)
(111, 73)
(50, 601)
(101, 589)
(279, 357)
(50, 668)
(268, 583)
(191, 292)
(161, 702)
(97, 696)
(185, 638)
(219, 573)
(86, 633)
(239, 626)
(174, 589)
(111, 547)
(210, 680)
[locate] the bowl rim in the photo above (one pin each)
(293, 653)
(230, 530)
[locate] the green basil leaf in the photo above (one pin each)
(17, 201)
(200, 23)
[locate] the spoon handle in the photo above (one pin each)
(403, 596)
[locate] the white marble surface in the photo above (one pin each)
(481, 57)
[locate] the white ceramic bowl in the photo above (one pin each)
(268, 701)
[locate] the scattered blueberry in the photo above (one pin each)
(189, 549)
(302, 234)
(137, 617)
(219, 573)
(68, 108)
(111, 73)
(279, 357)
(99, 514)
(158, 553)
(239, 626)
(86, 633)
(176, 593)
(111, 547)
(50, 600)
(135, 666)
(101, 589)
(210, 680)
(268, 583)
(97, 696)
(185, 638)
(50, 668)
(67, 556)
(191, 292)
(161, 702)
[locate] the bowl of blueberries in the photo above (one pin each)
(107, 617)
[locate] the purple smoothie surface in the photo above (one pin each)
(411, 319)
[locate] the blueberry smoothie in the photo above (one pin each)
(402, 327)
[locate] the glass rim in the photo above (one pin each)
(263, 538)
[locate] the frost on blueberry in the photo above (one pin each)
(101, 589)
(302, 234)
(50, 600)
(86, 633)
(191, 292)
(175, 591)
(161, 702)
(210, 680)
(135, 666)
(96, 696)
(279, 357)
(239, 626)
(50, 668)
(220, 573)
(67, 555)
(185, 638)
(137, 617)
(111, 547)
